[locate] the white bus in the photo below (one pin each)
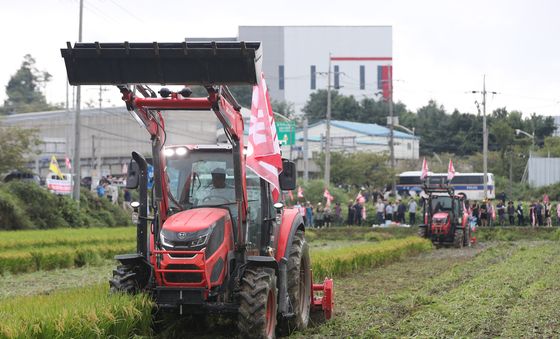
(469, 184)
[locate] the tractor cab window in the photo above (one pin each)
(441, 203)
(201, 178)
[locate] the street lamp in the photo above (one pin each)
(532, 136)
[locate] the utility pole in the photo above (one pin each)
(77, 123)
(305, 150)
(484, 135)
(391, 133)
(328, 136)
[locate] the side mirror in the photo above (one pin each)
(288, 176)
(133, 175)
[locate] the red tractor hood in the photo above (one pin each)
(440, 215)
(195, 219)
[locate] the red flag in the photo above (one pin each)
(450, 171)
(67, 163)
(545, 198)
(299, 192)
(424, 174)
(263, 150)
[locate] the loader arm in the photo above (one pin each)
(213, 65)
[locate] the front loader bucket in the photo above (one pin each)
(192, 63)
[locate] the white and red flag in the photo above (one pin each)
(68, 163)
(327, 195)
(263, 149)
(300, 192)
(450, 171)
(424, 174)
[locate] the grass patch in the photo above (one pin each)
(482, 305)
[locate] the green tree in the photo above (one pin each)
(17, 143)
(358, 169)
(24, 89)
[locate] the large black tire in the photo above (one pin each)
(458, 238)
(299, 283)
(258, 303)
(124, 280)
(422, 232)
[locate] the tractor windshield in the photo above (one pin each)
(441, 203)
(199, 178)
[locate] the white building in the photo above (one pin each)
(351, 136)
(296, 59)
(108, 136)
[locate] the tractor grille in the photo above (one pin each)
(177, 277)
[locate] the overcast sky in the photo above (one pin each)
(441, 49)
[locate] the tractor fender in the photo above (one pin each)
(262, 261)
(291, 222)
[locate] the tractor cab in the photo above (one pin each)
(202, 178)
(445, 217)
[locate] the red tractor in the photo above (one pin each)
(445, 217)
(215, 241)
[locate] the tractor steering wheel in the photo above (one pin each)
(214, 197)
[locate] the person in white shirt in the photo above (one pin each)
(412, 212)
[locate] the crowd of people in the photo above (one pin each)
(404, 211)
(538, 213)
(320, 216)
(108, 189)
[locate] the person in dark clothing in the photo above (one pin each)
(358, 214)
(401, 210)
(501, 213)
(351, 212)
(539, 212)
(511, 213)
(519, 211)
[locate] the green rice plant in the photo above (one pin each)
(78, 313)
(67, 236)
(345, 260)
(49, 258)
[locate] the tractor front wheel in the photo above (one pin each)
(422, 232)
(258, 303)
(458, 238)
(124, 280)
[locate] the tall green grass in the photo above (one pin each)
(345, 260)
(78, 313)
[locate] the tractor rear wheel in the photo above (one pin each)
(458, 238)
(299, 283)
(258, 303)
(124, 280)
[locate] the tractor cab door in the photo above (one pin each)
(260, 215)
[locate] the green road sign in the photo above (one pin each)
(286, 131)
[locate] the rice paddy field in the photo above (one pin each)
(388, 283)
